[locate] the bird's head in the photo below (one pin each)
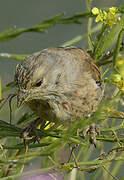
(40, 76)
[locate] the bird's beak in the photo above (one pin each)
(26, 96)
(21, 98)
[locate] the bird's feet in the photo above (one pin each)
(31, 132)
(93, 130)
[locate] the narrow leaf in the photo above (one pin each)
(109, 38)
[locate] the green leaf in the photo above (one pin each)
(7, 130)
(26, 117)
(13, 56)
(42, 26)
(109, 38)
(117, 48)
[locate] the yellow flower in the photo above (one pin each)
(113, 10)
(122, 89)
(117, 78)
(120, 62)
(95, 11)
(47, 126)
(108, 18)
(120, 66)
(108, 110)
(121, 85)
(98, 18)
(119, 18)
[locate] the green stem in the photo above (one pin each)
(89, 23)
(0, 89)
(117, 48)
(108, 39)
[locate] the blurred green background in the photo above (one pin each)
(25, 13)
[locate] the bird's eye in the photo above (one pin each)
(38, 83)
(99, 83)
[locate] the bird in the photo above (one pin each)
(59, 84)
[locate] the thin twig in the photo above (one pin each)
(110, 173)
(10, 107)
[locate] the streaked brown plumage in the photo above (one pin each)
(59, 84)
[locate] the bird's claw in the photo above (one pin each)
(93, 130)
(30, 132)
